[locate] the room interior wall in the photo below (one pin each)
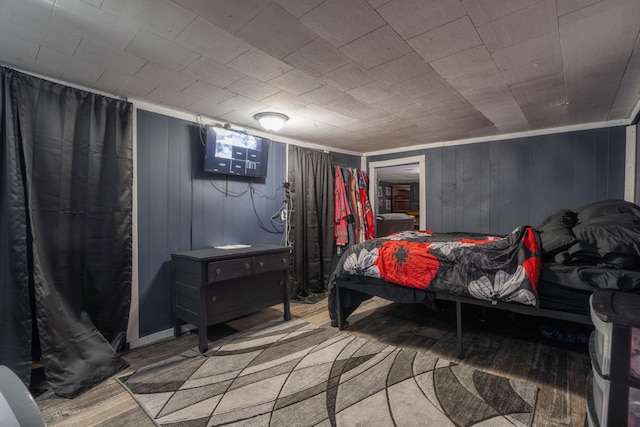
(495, 186)
(181, 207)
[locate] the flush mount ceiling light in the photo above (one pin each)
(271, 121)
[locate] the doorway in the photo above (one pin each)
(376, 168)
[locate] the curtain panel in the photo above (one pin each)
(311, 222)
(67, 224)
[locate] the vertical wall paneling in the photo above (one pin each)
(493, 187)
(433, 194)
(180, 207)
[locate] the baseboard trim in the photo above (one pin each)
(158, 336)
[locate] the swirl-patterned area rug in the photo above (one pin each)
(296, 374)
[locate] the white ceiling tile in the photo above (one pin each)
(252, 88)
(400, 105)
(317, 57)
(28, 12)
(163, 17)
(348, 76)
(342, 21)
(378, 3)
(36, 28)
(18, 52)
(401, 69)
(259, 65)
(507, 118)
(164, 76)
(426, 85)
(162, 51)
(546, 90)
(318, 113)
(322, 94)
(175, 98)
(117, 60)
(373, 92)
(446, 40)
(595, 114)
(625, 100)
(211, 72)
(597, 42)
(239, 103)
(207, 92)
(414, 17)
(231, 16)
(482, 77)
(377, 47)
(297, 8)
(546, 116)
(351, 107)
(71, 67)
(483, 12)
(124, 85)
(205, 38)
(530, 60)
(568, 6)
(465, 62)
(296, 82)
(532, 22)
(276, 32)
(93, 23)
(283, 100)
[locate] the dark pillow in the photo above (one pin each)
(556, 233)
(607, 207)
(614, 239)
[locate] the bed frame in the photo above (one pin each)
(411, 295)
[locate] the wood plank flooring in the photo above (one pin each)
(502, 343)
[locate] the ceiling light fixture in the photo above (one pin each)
(271, 121)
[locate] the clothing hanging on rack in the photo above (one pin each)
(353, 219)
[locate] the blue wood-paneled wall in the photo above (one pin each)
(493, 187)
(180, 207)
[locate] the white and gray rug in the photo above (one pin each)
(295, 374)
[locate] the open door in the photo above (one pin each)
(373, 182)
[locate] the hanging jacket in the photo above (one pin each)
(341, 209)
(363, 183)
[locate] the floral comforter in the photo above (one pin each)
(472, 265)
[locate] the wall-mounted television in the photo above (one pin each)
(236, 153)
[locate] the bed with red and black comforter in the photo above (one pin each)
(553, 268)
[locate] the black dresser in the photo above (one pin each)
(216, 285)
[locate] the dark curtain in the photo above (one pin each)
(311, 222)
(66, 221)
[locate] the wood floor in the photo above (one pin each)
(498, 342)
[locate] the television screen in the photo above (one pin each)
(236, 153)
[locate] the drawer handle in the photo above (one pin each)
(247, 266)
(218, 271)
(214, 298)
(281, 282)
(261, 263)
(285, 260)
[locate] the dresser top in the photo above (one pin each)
(232, 251)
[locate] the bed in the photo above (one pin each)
(548, 271)
(390, 223)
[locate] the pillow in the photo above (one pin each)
(556, 233)
(615, 239)
(606, 208)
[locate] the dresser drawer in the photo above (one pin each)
(271, 262)
(230, 269)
